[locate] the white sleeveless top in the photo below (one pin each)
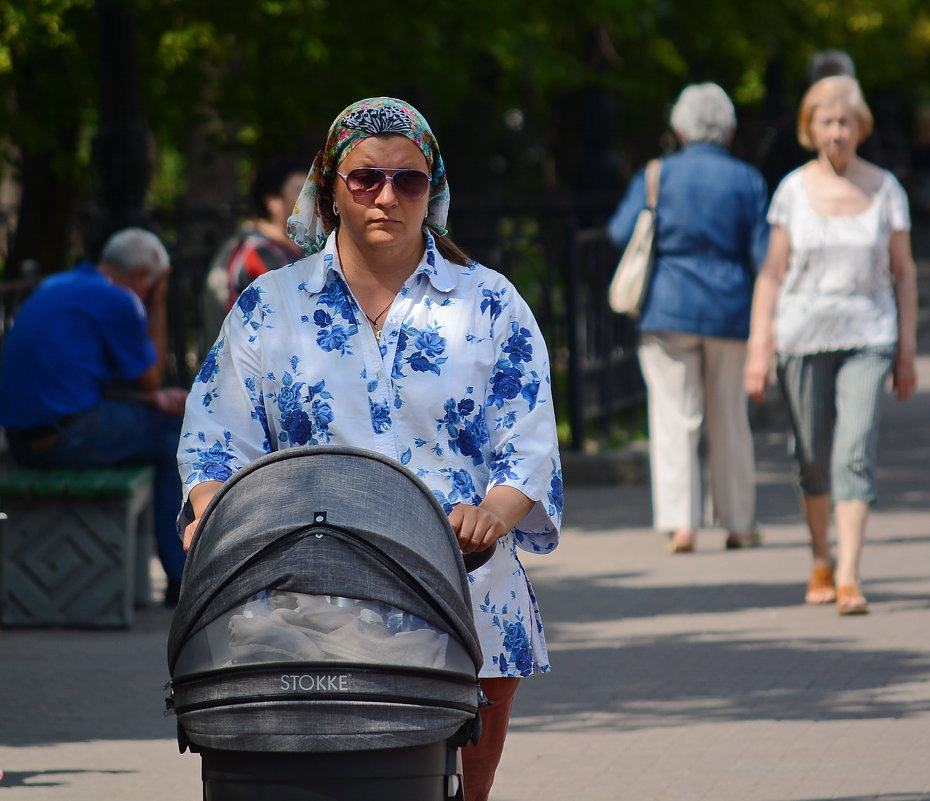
(837, 293)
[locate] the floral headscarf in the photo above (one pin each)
(313, 218)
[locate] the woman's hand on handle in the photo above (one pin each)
(475, 527)
(200, 497)
(479, 527)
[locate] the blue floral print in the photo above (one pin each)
(427, 347)
(335, 317)
(461, 489)
(503, 464)
(457, 391)
(491, 303)
(515, 656)
(253, 309)
(211, 463)
(258, 412)
(380, 417)
(506, 384)
(516, 645)
(304, 415)
(465, 427)
(209, 396)
(555, 491)
(518, 347)
(208, 370)
(511, 378)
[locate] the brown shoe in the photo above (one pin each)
(820, 589)
(850, 601)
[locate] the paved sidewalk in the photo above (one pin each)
(693, 677)
(702, 676)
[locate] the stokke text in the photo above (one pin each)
(332, 683)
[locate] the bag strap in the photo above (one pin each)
(653, 168)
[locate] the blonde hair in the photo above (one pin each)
(826, 92)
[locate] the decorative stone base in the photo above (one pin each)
(75, 546)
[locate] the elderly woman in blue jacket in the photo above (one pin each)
(711, 238)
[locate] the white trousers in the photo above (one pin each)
(695, 384)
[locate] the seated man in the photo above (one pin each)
(82, 376)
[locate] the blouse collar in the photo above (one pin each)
(432, 264)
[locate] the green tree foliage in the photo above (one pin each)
(496, 78)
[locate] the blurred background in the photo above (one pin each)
(156, 112)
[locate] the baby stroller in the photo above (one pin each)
(323, 647)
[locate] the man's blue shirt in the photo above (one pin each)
(75, 334)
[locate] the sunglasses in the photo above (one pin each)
(367, 182)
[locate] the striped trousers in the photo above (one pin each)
(833, 402)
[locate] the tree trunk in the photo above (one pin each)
(44, 224)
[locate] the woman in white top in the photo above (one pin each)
(837, 301)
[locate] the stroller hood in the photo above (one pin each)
(326, 525)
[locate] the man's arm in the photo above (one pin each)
(155, 307)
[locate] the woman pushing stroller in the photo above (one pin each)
(387, 337)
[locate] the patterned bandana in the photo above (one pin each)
(313, 218)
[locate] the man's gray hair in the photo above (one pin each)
(134, 248)
(704, 113)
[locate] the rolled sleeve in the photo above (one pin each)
(521, 422)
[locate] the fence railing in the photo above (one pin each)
(603, 371)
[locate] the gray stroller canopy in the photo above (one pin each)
(333, 526)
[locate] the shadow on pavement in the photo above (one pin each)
(915, 796)
(71, 685)
(683, 679)
(598, 598)
(43, 778)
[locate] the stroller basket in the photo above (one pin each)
(324, 611)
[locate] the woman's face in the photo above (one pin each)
(384, 219)
(281, 206)
(835, 132)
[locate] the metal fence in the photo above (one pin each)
(603, 371)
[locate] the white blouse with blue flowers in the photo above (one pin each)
(458, 390)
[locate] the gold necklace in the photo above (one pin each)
(374, 322)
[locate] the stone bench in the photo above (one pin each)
(75, 546)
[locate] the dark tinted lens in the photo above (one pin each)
(365, 180)
(412, 184)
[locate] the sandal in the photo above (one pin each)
(850, 601)
(820, 589)
(681, 541)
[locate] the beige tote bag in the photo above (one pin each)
(631, 278)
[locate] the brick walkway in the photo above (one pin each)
(689, 677)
